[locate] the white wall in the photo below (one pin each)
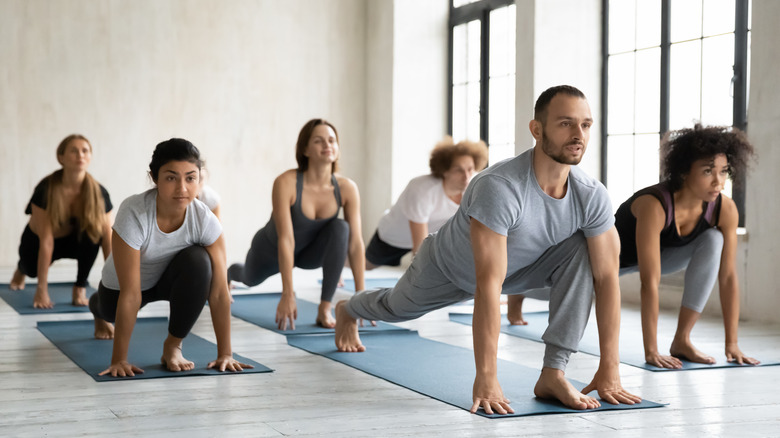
(236, 78)
(762, 300)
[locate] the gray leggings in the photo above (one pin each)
(701, 261)
(564, 269)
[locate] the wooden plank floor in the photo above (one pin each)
(42, 393)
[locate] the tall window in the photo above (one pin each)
(669, 64)
(482, 45)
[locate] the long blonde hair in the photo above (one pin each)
(92, 214)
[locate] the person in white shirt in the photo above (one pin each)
(427, 202)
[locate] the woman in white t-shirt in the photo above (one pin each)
(427, 202)
(166, 245)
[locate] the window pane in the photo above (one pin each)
(459, 112)
(501, 113)
(648, 23)
(718, 17)
(459, 58)
(646, 161)
(502, 41)
(473, 49)
(686, 20)
(500, 151)
(620, 119)
(622, 16)
(717, 103)
(685, 84)
(472, 111)
(620, 157)
(648, 95)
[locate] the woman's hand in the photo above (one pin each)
(286, 311)
(122, 369)
(734, 354)
(228, 363)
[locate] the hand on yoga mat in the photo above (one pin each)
(286, 311)
(488, 395)
(608, 385)
(42, 299)
(734, 354)
(122, 369)
(662, 361)
(228, 363)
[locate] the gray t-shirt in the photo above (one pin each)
(136, 224)
(507, 199)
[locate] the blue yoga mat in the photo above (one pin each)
(371, 283)
(260, 310)
(76, 340)
(631, 350)
(442, 371)
(61, 295)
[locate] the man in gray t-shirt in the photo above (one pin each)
(530, 222)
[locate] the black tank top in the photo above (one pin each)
(304, 229)
(625, 222)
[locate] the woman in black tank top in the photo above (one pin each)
(304, 229)
(685, 222)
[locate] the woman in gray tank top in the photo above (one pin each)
(304, 229)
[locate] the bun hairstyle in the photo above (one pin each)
(175, 149)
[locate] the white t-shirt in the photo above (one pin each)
(209, 196)
(422, 201)
(136, 224)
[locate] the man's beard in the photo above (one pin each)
(560, 157)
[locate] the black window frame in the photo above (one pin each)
(739, 83)
(479, 10)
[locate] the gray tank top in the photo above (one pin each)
(304, 229)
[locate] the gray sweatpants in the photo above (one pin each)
(701, 261)
(564, 269)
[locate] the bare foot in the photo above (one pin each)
(172, 358)
(17, 281)
(41, 299)
(324, 317)
(80, 296)
(515, 310)
(552, 384)
(686, 351)
(347, 338)
(103, 329)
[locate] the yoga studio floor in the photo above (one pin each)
(42, 393)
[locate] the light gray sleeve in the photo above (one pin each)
(599, 217)
(493, 202)
(131, 221)
(210, 227)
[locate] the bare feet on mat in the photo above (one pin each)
(515, 310)
(324, 317)
(103, 329)
(172, 358)
(80, 296)
(552, 384)
(686, 351)
(347, 338)
(41, 299)
(17, 281)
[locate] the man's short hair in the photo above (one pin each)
(543, 102)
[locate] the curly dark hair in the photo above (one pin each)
(447, 150)
(680, 149)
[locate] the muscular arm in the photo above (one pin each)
(650, 220)
(728, 282)
(356, 250)
(419, 233)
(128, 271)
(490, 263)
(604, 253)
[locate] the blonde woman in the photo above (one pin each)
(70, 217)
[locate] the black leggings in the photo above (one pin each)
(185, 283)
(71, 246)
(328, 250)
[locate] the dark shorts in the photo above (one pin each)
(380, 253)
